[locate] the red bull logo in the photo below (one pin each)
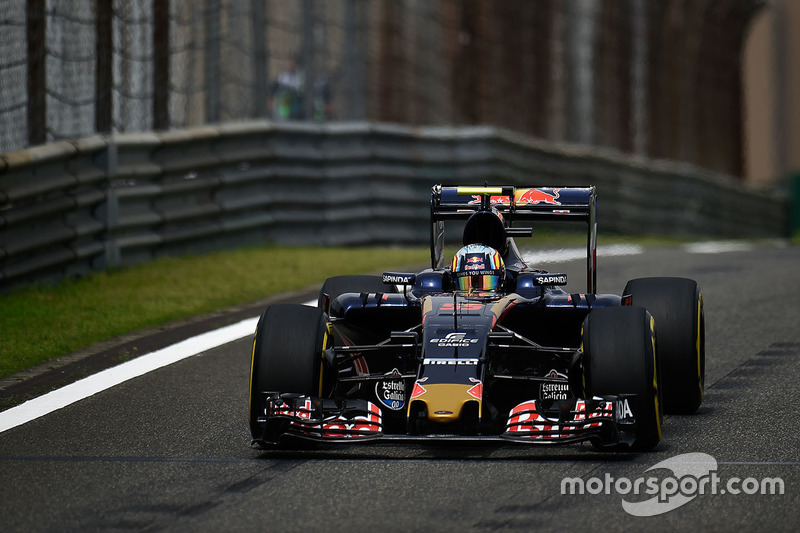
(538, 196)
(474, 262)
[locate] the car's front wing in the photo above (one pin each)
(606, 419)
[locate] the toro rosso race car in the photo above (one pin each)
(482, 347)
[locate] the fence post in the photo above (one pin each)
(37, 88)
(354, 97)
(104, 79)
(212, 58)
(308, 55)
(109, 161)
(260, 59)
(160, 65)
(795, 229)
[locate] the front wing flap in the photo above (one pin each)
(321, 418)
(607, 420)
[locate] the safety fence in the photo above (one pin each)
(656, 78)
(69, 208)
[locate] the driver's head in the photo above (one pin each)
(478, 267)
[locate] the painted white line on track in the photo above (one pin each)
(110, 377)
(86, 387)
(538, 257)
(717, 247)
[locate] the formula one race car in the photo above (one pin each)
(482, 348)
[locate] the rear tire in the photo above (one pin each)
(338, 285)
(677, 306)
(287, 356)
(619, 357)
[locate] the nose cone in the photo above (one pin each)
(445, 401)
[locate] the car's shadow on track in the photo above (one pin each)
(451, 452)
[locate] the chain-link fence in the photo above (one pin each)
(658, 78)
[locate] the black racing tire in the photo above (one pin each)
(677, 306)
(619, 357)
(287, 356)
(338, 285)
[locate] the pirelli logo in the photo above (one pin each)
(467, 361)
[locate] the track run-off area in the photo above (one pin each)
(161, 443)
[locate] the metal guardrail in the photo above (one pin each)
(70, 208)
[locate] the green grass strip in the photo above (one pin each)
(41, 323)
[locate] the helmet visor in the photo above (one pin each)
(479, 282)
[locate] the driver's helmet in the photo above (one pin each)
(478, 267)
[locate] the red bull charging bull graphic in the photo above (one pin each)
(538, 196)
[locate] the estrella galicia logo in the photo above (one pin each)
(454, 340)
(391, 391)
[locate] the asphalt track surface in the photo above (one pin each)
(169, 451)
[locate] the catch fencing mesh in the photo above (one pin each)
(656, 78)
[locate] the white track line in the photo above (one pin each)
(84, 388)
(108, 378)
(716, 247)
(539, 257)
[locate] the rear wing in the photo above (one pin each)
(516, 204)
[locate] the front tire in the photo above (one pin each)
(619, 357)
(677, 306)
(287, 357)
